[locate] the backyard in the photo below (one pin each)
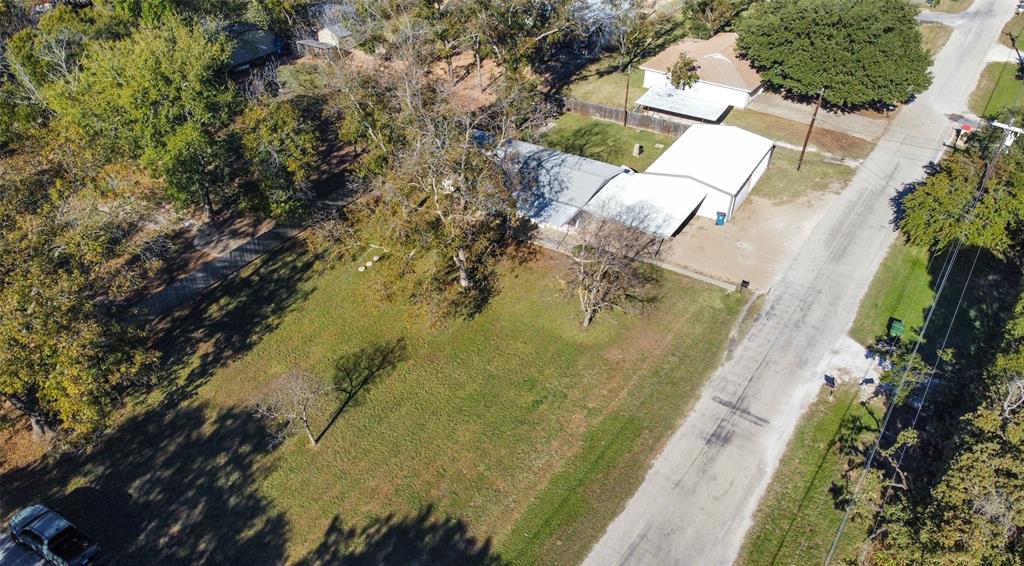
(514, 436)
(999, 89)
(605, 141)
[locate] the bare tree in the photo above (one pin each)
(1014, 397)
(637, 29)
(292, 401)
(607, 269)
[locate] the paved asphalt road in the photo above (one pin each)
(697, 500)
(13, 554)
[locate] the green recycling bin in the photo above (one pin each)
(895, 327)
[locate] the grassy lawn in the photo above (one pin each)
(783, 183)
(515, 434)
(798, 516)
(601, 84)
(791, 132)
(902, 289)
(605, 141)
(1014, 27)
(998, 89)
(951, 6)
(934, 37)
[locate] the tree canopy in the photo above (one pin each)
(861, 52)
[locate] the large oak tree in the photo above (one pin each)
(860, 51)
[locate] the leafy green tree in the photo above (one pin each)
(140, 97)
(193, 165)
(373, 112)
(65, 352)
(281, 148)
(50, 52)
(939, 210)
(683, 73)
(705, 18)
(860, 51)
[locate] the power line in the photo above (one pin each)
(990, 168)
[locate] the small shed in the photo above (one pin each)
(251, 43)
(335, 35)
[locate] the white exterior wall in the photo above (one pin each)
(714, 203)
(758, 172)
(706, 91)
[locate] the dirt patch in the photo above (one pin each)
(19, 449)
(756, 245)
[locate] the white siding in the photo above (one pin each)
(754, 177)
(714, 203)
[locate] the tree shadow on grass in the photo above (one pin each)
(227, 321)
(591, 140)
(423, 538)
(166, 487)
(354, 373)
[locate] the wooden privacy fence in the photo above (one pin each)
(633, 119)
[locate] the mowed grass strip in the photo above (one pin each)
(902, 289)
(485, 421)
(565, 520)
(798, 517)
(783, 183)
(605, 141)
(998, 89)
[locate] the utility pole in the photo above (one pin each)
(625, 101)
(807, 138)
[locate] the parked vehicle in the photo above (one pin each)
(53, 537)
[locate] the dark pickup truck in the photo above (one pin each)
(52, 537)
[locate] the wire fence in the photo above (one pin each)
(633, 119)
(217, 269)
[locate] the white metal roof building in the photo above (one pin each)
(554, 185)
(708, 171)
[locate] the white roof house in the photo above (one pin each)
(725, 79)
(554, 186)
(652, 203)
(707, 172)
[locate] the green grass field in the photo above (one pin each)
(600, 84)
(783, 183)
(798, 516)
(515, 434)
(902, 288)
(998, 89)
(605, 141)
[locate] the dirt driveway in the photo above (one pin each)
(755, 245)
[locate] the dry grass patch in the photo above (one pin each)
(791, 132)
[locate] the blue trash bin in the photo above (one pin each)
(720, 219)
